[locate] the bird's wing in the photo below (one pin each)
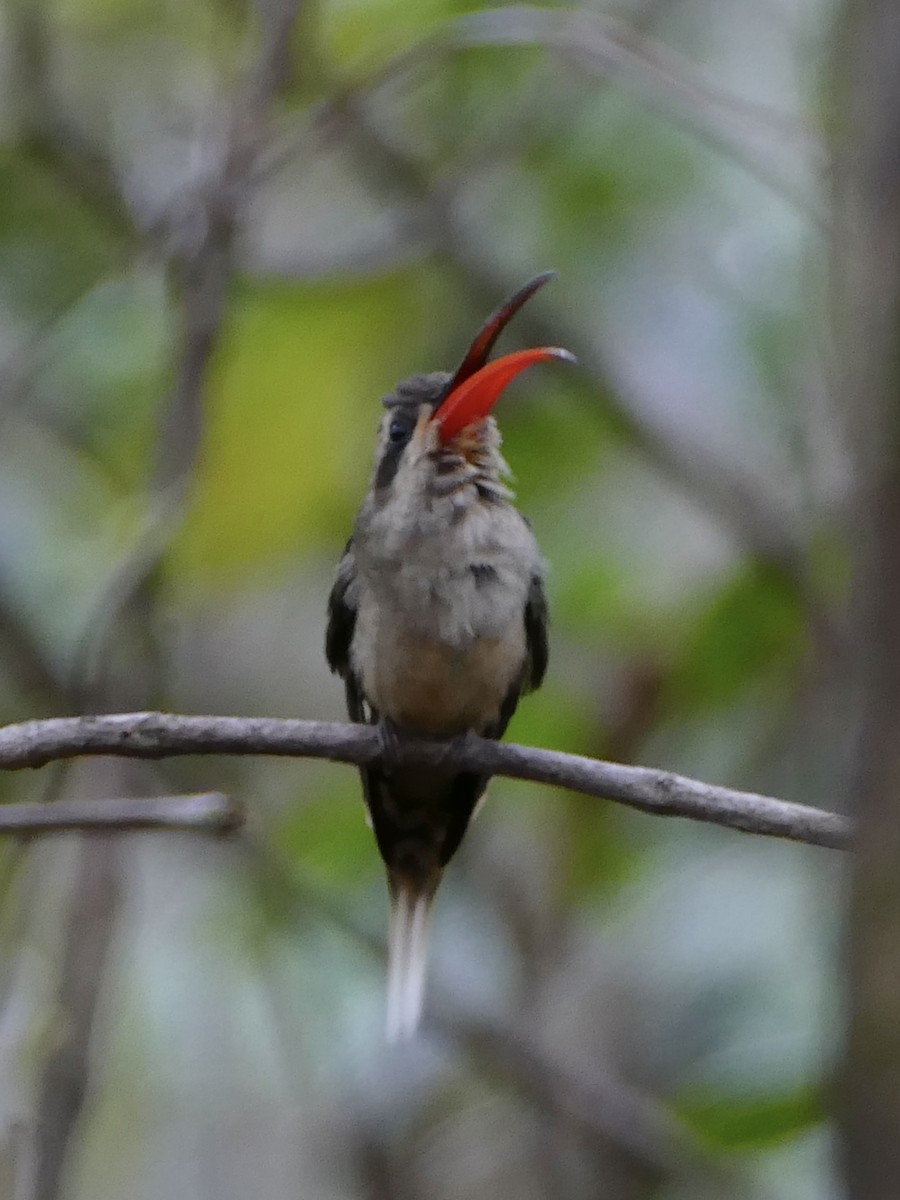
(341, 613)
(536, 652)
(339, 633)
(338, 638)
(537, 621)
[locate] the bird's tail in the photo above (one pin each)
(407, 958)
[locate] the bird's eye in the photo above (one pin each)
(399, 431)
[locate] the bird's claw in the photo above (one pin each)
(389, 738)
(451, 749)
(458, 746)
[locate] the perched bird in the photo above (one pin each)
(437, 621)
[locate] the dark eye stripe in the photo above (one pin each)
(390, 463)
(399, 430)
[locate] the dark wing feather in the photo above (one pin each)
(341, 615)
(338, 637)
(537, 621)
(339, 633)
(536, 654)
(465, 792)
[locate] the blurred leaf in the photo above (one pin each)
(363, 29)
(753, 625)
(328, 836)
(597, 603)
(293, 409)
(552, 433)
(52, 247)
(552, 717)
(106, 370)
(631, 175)
(740, 1122)
(601, 852)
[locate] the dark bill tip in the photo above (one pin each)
(483, 343)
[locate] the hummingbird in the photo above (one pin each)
(437, 622)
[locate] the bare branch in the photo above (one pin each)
(164, 735)
(206, 812)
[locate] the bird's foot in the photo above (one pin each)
(389, 737)
(461, 745)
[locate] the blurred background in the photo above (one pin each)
(226, 230)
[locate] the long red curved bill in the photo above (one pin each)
(477, 354)
(474, 398)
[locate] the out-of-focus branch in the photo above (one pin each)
(51, 136)
(161, 735)
(89, 934)
(605, 47)
(604, 1109)
(204, 265)
(867, 276)
(202, 232)
(596, 1103)
(753, 134)
(206, 812)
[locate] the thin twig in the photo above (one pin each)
(205, 812)
(164, 735)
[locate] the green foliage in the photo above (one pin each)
(293, 408)
(753, 626)
(327, 836)
(553, 435)
(107, 367)
(752, 1122)
(602, 853)
(358, 30)
(597, 603)
(52, 246)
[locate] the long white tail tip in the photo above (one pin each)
(407, 963)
